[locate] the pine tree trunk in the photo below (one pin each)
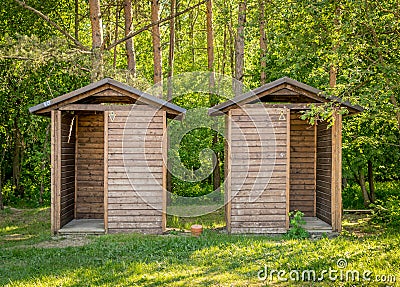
(76, 28)
(170, 88)
(97, 40)
(239, 48)
(333, 68)
(371, 183)
(263, 44)
(171, 53)
(157, 56)
(211, 87)
(332, 76)
(117, 15)
(129, 44)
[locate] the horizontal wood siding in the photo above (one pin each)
(258, 163)
(135, 171)
(90, 166)
(324, 173)
(67, 199)
(302, 169)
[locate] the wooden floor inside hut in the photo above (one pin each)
(316, 225)
(83, 226)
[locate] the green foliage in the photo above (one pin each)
(387, 211)
(352, 196)
(304, 40)
(297, 223)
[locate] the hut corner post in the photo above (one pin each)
(227, 187)
(106, 115)
(337, 173)
(287, 223)
(55, 170)
(164, 173)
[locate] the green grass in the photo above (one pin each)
(213, 220)
(213, 259)
(24, 226)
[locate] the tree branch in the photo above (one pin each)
(148, 26)
(52, 23)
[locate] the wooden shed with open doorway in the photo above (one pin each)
(108, 173)
(276, 162)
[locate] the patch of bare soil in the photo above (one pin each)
(65, 241)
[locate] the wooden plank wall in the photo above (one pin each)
(302, 168)
(90, 166)
(258, 169)
(135, 171)
(67, 194)
(324, 173)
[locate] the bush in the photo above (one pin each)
(297, 222)
(387, 211)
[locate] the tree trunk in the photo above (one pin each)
(361, 182)
(97, 40)
(333, 68)
(170, 88)
(117, 14)
(239, 48)
(1, 180)
(171, 53)
(396, 105)
(371, 183)
(332, 76)
(129, 45)
(1, 190)
(44, 163)
(157, 56)
(17, 159)
(76, 28)
(211, 87)
(263, 44)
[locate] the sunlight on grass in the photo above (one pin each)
(213, 259)
(7, 229)
(212, 220)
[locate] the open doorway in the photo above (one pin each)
(82, 203)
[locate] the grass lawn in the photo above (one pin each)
(29, 256)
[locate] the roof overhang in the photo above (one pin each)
(111, 89)
(283, 88)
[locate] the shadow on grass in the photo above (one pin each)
(212, 259)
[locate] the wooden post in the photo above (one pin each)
(164, 173)
(228, 188)
(76, 164)
(315, 168)
(55, 170)
(106, 114)
(287, 167)
(336, 197)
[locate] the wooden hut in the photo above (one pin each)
(275, 162)
(107, 169)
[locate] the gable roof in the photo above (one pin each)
(94, 89)
(283, 87)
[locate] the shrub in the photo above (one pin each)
(387, 211)
(297, 222)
